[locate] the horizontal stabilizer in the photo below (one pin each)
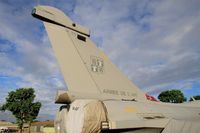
(62, 97)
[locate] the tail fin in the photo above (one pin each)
(88, 72)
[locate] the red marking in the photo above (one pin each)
(150, 98)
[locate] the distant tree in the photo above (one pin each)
(172, 96)
(197, 97)
(21, 104)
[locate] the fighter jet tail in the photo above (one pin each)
(88, 72)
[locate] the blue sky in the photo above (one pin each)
(155, 43)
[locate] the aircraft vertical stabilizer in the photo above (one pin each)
(88, 72)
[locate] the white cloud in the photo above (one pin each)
(32, 60)
(148, 40)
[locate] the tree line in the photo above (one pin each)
(175, 96)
